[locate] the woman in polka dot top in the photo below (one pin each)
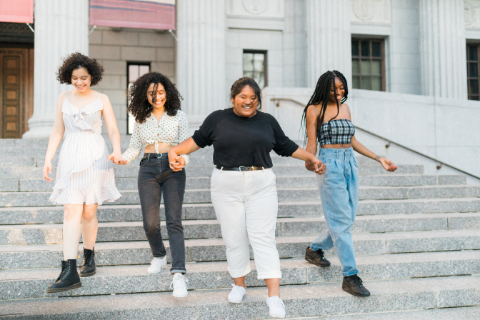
(160, 125)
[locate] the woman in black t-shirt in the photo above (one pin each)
(243, 185)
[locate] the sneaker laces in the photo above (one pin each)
(235, 289)
(278, 302)
(179, 279)
(356, 280)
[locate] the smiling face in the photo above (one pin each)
(81, 79)
(156, 98)
(337, 90)
(245, 103)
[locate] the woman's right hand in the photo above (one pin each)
(47, 168)
(318, 166)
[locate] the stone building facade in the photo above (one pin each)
(398, 46)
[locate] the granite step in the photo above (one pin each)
(300, 301)
(25, 284)
(207, 229)
(204, 171)
(455, 313)
(22, 199)
(303, 181)
(205, 250)
(117, 213)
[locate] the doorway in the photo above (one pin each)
(16, 91)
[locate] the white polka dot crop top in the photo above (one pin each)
(171, 130)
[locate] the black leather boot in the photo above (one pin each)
(316, 257)
(68, 278)
(354, 285)
(88, 266)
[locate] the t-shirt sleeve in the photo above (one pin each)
(204, 135)
(283, 145)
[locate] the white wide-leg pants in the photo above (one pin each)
(246, 206)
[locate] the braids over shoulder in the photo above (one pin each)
(321, 95)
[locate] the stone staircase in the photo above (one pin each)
(416, 237)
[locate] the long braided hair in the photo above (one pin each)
(321, 95)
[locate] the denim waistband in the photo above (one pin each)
(344, 153)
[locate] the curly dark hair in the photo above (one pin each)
(139, 106)
(241, 83)
(77, 60)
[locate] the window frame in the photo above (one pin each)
(265, 63)
(133, 63)
(370, 59)
(468, 70)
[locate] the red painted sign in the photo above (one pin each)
(146, 14)
(20, 11)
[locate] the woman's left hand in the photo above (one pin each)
(387, 164)
(176, 162)
(116, 158)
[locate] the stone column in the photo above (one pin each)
(201, 57)
(329, 40)
(443, 48)
(61, 28)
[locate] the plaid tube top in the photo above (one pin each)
(338, 131)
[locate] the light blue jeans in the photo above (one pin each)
(339, 193)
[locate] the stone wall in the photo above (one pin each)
(113, 49)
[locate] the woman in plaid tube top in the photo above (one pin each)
(327, 119)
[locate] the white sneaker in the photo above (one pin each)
(276, 306)
(179, 286)
(236, 295)
(157, 264)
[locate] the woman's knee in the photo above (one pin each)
(71, 213)
(89, 215)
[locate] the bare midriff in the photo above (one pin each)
(162, 148)
(336, 146)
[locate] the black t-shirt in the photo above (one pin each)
(240, 141)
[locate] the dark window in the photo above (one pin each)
(134, 71)
(472, 71)
(368, 64)
(255, 66)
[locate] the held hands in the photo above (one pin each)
(316, 166)
(176, 162)
(116, 158)
(47, 168)
(387, 164)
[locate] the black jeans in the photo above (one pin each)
(154, 177)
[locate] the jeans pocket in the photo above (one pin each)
(143, 162)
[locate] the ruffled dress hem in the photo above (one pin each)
(81, 196)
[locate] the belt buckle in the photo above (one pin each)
(240, 168)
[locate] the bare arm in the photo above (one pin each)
(312, 118)
(187, 146)
(55, 138)
(360, 148)
(112, 129)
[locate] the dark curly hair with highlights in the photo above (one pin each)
(77, 60)
(139, 106)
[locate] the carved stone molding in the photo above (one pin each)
(471, 13)
(256, 8)
(368, 11)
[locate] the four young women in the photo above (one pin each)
(243, 185)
